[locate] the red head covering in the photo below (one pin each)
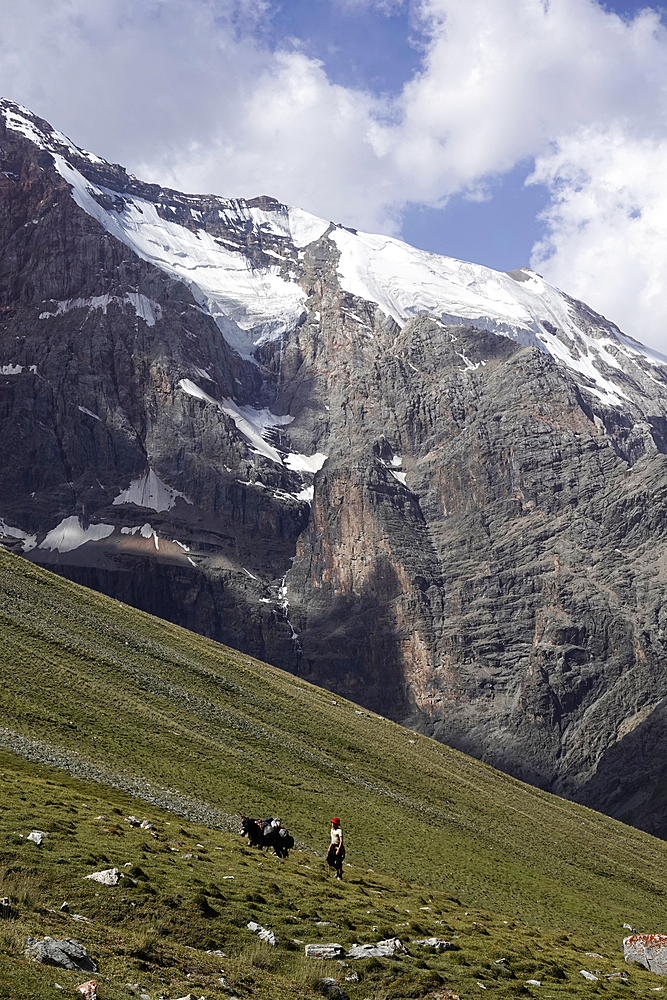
(335, 821)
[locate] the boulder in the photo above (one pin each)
(650, 950)
(66, 953)
(438, 943)
(324, 950)
(383, 949)
(263, 934)
(110, 876)
(37, 837)
(330, 988)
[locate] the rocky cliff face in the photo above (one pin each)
(433, 488)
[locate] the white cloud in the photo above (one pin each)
(502, 79)
(607, 227)
(189, 92)
(295, 136)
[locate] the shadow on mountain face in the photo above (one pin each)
(614, 788)
(353, 645)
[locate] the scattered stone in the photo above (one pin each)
(593, 954)
(146, 825)
(264, 935)
(650, 950)
(88, 990)
(110, 876)
(83, 920)
(324, 950)
(65, 907)
(330, 988)
(588, 975)
(383, 949)
(622, 976)
(66, 953)
(37, 837)
(439, 944)
(629, 927)
(353, 977)
(132, 820)
(533, 982)
(217, 953)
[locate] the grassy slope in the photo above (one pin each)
(148, 699)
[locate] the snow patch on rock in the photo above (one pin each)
(70, 534)
(150, 492)
(144, 308)
(305, 463)
(7, 531)
(252, 423)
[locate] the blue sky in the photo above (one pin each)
(505, 132)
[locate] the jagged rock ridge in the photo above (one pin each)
(432, 487)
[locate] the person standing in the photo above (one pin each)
(336, 852)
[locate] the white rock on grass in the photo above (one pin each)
(263, 934)
(37, 837)
(383, 949)
(324, 951)
(438, 943)
(588, 975)
(110, 876)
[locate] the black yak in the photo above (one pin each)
(267, 833)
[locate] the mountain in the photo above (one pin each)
(433, 488)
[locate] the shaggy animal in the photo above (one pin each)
(267, 833)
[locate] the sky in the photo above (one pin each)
(504, 132)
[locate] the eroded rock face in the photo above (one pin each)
(369, 488)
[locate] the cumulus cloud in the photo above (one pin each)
(502, 79)
(607, 226)
(192, 93)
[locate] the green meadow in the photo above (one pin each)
(115, 713)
